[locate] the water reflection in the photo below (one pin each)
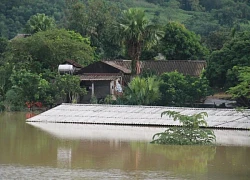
(188, 159)
(71, 151)
(130, 133)
(183, 159)
(64, 157)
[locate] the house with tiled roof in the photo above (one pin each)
(75, 66)
(100, 78)
(19, 36)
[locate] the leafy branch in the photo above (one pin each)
(189, 134)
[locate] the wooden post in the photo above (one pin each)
(93, 89)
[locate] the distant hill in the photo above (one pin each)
(15, 13)
(200, 16)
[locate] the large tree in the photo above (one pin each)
(3, 48)
(234, 53)
(181, 44)
(47, 49)
(95, 19)
(241, 92)
(39, 22)
(136, 34)
(68, 86)
(180, 90)
(28, 84)
(33, 87)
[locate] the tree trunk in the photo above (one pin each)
(134, 51)
(133, 67)
(138, 69)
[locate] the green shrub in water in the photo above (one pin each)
(189, 134)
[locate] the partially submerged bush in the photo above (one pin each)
(189, 134)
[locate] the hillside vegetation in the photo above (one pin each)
(200, 16)
(90, 30)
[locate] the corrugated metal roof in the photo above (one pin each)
(139, 115)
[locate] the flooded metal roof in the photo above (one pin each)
(128, 133)
(139, 115)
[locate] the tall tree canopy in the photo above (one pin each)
(241, 92)
(180, 90)
(28, 84)
(14, 14)
(181, 44)
(137, 33)
(3, 47)
(39, 22)
(47, 49)
(234, 53)
(95, 19)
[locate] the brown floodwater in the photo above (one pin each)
(71, 151)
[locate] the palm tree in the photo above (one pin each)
(39, 22)
(136, 34)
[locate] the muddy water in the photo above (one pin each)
(49, 151)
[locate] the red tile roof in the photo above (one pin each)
(119, 65)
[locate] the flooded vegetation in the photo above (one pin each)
(72, 151)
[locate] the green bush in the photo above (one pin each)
(189, 134)
(143, 91)
(13, 101)
(2, 107)
(180, 90)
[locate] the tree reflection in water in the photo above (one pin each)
(181, 159)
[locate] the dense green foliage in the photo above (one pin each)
(241, 92)
(95, 19)
(143, 91)
(28, 85)
(47, 49)
(180, 90)
(29, 68)
(208, 15)
(32, 87)
(14, 14)
(234, 53)
(170, 89)
(136, 34)
(189, 134)
(214, 30)
(69, 86)
(180, 43)
(3, 45)
(39, 22)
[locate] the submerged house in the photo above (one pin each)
(100, 78)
